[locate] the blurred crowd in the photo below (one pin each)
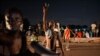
(85, 31)
(13, 20)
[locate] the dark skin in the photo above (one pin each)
(9, 38)
(12, 38)
(15, 20)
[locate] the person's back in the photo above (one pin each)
(67, 33)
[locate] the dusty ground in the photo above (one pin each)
(76, 49)
(82, 49)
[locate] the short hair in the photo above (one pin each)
(13, 10)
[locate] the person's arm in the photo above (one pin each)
(73, 33)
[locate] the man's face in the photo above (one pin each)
(14, 20)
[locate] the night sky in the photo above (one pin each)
(77, 12)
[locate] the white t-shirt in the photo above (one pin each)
(93, 26)
(87, 35)
(48, 33)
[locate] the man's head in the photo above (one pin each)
(13, 19)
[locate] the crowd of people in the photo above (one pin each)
(13, 20)
(54, 32)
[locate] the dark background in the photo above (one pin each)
(77, 12)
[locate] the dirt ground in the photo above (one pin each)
(76, 49)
